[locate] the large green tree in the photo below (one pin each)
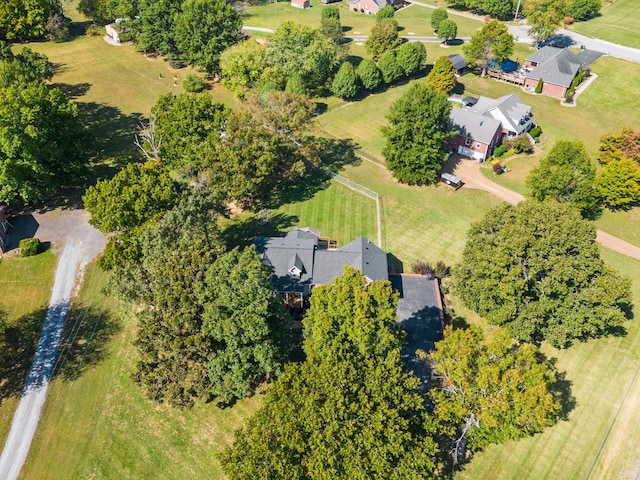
(350, 410)
(345, 83)
(619, 145)
(566, 175)
(492, 41)
(489, 391)
(183, 123)
(23, 68)
(25, 19)
(416, 135)
(390, 68)
(618, 183)
(442, 76)
(242, 66)
(383, 38)
(247, 323)
(369, 74)
(203, 30)
(42, 142)
(544, 17)
(123, 206)
(447, 30)
(535, 268)
(412, 57)
(584, 9)
(156, 30)
(437, 16)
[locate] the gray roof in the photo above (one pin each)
(295, 249)
(380, 3)
(509, 105)
(477, 127)
(559, 69)
(360, 253)
(419, 315)
(544, 54)
(458, 61)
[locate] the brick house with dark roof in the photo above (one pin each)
(557, 67)
(371, 7)
(477, 135)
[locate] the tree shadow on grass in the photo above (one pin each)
(560, 388)
(21, 339)
(86, 334)
(242, 231)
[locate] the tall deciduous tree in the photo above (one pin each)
(447, 30)
(584, 9)
(369, 74)
(247, 323)
(390, 68)
(544, 17)
(242, 66)
(535, 269)
(25, 19)
(492, 41)
(619, 145)
(350, 410)
(383, 38)
(123, 205)
(345, 83)
(204, 29)
(42, 142)
(412, 57)
(416, 137)
(184, 122)
(618, 183)
(157, 23)
(442, 76)
(566, 175)
(437, 16)
(489, 391)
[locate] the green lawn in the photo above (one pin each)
(338, 212)
(598, 385)
(414, 19)
(26, 287)
(617, 23)
(96, 424)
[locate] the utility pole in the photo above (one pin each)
(515, 18)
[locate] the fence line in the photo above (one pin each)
(365, 191)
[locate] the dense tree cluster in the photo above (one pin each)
(416, 135)
(502, 9)
(191, 32)
(490, 391)
(567, 175)
(22, 20)
(42, 140)
(535, 269)
(350, 410)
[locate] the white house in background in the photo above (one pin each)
(516, 117)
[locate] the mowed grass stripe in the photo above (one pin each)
(617, 23)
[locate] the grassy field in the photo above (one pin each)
(413, 20)
(96, 423)
(616, 24)
(26, 287)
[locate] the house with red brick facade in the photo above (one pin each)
(371, 7)
(557, 67)
(477, 135)
(516, 117)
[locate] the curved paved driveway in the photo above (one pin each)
(80, 243)
(469, 172)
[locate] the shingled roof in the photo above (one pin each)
(473, 125)
(508, 109)
(558, 66)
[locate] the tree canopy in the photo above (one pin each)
(442, 76)
(345, 83)
(383, 38)
(412, 57)
(416, 135)
(618, 183)
(447, 30)
(369, 74)
(42, 142)
(544, 17)
(242, 66)
(619, 145)
(350, 410)
(437, 16)
(566, 175)
(492, 41)
(496, 8)
(489, 391)
(25, 19)
(535, 269)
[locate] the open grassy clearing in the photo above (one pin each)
(616, 24)
(414, 18)
(98, 424)
(598, 385)
(26, 287)
(338, 212)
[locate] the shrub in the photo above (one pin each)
(29, 247)
(94, 30)
(568, 20)
(441, 270)
(330, 11)
(422, 268)
(193, 83)
(58, 27)
(539, 86)
(384, 14)
(535, 133)
(500, 150)
(519, 144)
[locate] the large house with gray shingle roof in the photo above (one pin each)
(557, 67)
(477, 135)
(371, 7)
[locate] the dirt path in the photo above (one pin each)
(469, 172)
(68, 232)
